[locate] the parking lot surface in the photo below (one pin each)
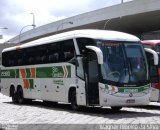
(37, 115)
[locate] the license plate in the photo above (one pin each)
(130, 101)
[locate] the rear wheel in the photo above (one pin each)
(73, 100)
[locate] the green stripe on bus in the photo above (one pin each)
(17, 73)
(44, 72)
(31, 83)
(69, 71)
(8, 73)
(53, 72)
(133, 89)
(41, 72)
(28, 72)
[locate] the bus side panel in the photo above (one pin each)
(55, 81)
(36, 90)
(62, 89)
(81, 93)
(48, 89)
(69, 81)
(5, 88)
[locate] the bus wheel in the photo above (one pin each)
(116, 109)
(13, 94)
(73, 100)
(20, 97)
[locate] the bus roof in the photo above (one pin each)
(87, 33)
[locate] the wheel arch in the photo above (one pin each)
(71, 89)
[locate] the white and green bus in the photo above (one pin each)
(82, 67)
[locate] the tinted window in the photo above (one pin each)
(68, 50)
(82, 42)
(49, 53)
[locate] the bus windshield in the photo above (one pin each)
(124, 62)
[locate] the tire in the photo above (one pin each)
(14, 98)
(13, 94)
(116, 109)
(73, 100)
(20, 97)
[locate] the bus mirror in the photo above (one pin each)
(98, 53)
(155, 55)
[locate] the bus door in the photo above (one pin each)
(92, 78)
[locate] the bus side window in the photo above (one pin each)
(10, 63)
(68, 55)
(68, 50)
(38, 59)
(5, 59)
(31, 60)
(53, 58)
(54, 53)
(20, 62)
(43, 59)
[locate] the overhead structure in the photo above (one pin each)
(135, 17)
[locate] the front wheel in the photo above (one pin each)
(116, 109)
(74, 105)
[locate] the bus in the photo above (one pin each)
(81, 67)
(155, 70)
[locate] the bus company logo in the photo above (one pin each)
(56, 73)
(59, 82)
(5, 73)
(54, 69)
(130, 95)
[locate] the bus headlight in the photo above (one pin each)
(113, 90)
(109, 89)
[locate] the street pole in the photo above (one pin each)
(34, 25)
(1, 36)
(21, 32)
(106, 24)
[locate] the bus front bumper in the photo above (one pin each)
(111, 100)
